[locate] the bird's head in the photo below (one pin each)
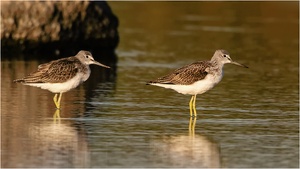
(87, 58)
(223, 57)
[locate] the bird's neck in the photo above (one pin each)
(217, 64)
(216, 68)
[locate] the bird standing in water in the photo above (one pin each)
(196, 78)
(61, 75)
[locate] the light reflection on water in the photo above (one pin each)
(250, 119)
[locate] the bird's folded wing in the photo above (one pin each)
(53, 72)
(185, 75)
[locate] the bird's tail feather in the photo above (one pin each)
(19, 81)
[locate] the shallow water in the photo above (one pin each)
(249, 120)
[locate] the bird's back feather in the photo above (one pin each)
(185, 75)
(56, 71)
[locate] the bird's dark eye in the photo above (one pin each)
(224, 56)
(86, 56)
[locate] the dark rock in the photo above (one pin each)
(57, 28)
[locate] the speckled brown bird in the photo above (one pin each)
(61, 75)
(196, 78)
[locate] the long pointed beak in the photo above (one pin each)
(100, 64)
(236, 63)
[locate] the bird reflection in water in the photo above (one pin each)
(192, 125)
(60, 144)
(186, 150)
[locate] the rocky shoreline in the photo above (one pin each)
(57, 28)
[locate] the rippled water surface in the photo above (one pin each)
(250, 119)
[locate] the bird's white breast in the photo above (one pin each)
(198, 87)
(65, 86)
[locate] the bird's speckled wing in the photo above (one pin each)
(56, 71)
(185, 75)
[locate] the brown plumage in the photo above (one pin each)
(57, 71)
(185, 75)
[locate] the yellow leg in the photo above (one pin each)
(191, 106)
(56, 116)
(194, 106)
(57, 101)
